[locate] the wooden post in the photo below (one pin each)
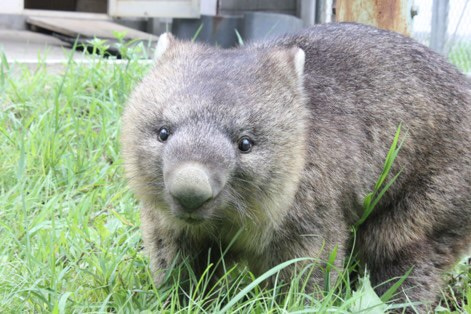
(394, 15)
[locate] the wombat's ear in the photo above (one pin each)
(290, 60)
(299, 58)
(165, 41)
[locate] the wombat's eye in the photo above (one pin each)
(245, 144)
(164, 133)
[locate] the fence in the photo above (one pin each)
(445, 26)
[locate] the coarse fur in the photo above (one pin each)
(321, 133)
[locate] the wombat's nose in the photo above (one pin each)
(190, 186)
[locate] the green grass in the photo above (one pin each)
(460, 55)
(70, 227)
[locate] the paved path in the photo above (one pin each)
(22, 45)
(30, 48)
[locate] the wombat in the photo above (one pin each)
(280, 141)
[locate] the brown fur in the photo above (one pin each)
(320, 143)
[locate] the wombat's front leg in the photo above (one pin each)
(167, 247)
(159, 244)
(310, 246)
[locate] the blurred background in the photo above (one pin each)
(443, 25)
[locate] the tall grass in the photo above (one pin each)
(70, 227)
(460, 55)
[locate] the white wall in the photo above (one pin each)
(11, 6)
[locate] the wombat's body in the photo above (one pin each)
(316, 140)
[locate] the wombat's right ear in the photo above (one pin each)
(165, 41)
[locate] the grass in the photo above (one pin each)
(70, 226)
(460, 55)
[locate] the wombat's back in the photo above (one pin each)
(377, 72)
(362, 83)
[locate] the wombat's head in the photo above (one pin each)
(216, 135)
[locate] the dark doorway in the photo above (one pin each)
(92, 6)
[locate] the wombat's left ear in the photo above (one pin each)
(299, 58)
(290, 59)
(165, 41)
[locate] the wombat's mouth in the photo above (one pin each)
(190, 218)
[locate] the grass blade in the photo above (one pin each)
(239, 38)
(392, 290)
(259, 280)
(197, 33)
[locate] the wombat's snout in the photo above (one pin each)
(190, 185)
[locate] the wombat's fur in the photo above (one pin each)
(320, 138)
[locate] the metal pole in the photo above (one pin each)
(307, 11)
(439, 25)
(321, 11)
